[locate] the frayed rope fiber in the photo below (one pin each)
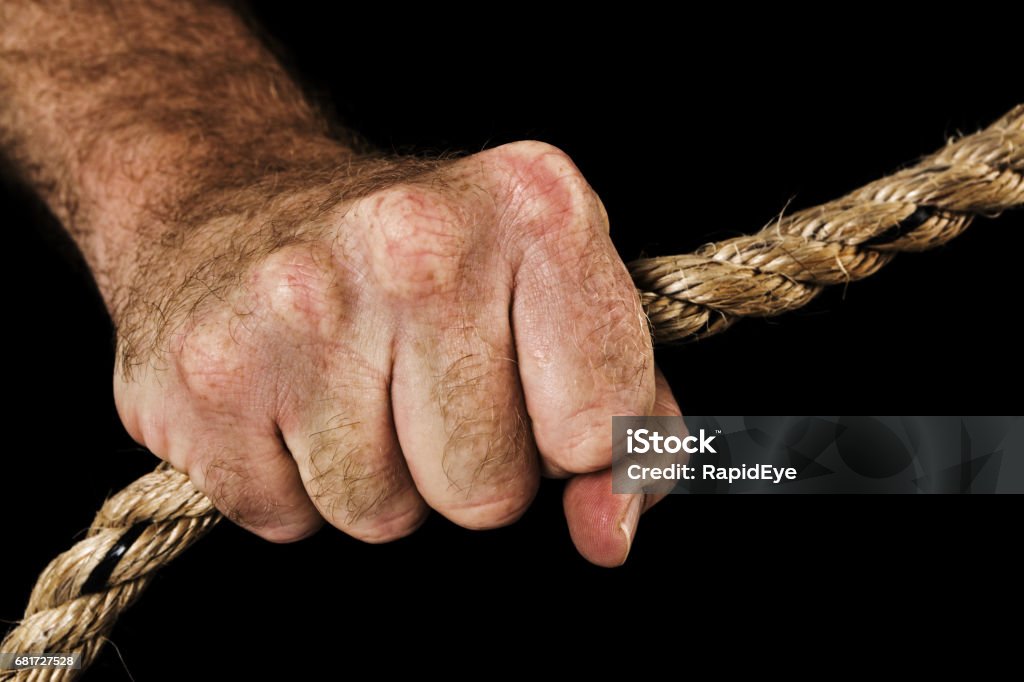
(785, 265)
(79, 596)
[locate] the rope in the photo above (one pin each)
(786, 264)
(79, 596)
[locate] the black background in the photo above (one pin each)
(684, 145)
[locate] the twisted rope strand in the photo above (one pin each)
(786, 264)
(79, 596)
(135, 533)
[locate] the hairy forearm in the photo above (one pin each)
(138, 121)
(314, 333)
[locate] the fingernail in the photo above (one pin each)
(629, 522)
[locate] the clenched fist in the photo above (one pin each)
(436, 343)
(312, 332)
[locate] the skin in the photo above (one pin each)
(313, 331)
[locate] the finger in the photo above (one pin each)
(461, 420)
(455, 395)
(234, 456)
(603, 524)
(344, 441)
(253, 481)
(583, 343)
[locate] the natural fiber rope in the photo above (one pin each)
(786, 264)
(81, 593)
(137, 531)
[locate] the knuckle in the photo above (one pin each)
(209, 364)
(551, 200)
(297, 284)
(541, 164)
(418, 240)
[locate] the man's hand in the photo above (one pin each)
(415, 347)
(314, 334)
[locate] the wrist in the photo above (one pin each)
(151, 199)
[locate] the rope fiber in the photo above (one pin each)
(786, 264)
(79, 596)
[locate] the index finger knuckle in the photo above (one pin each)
(550, 203)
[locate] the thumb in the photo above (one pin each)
(603, 524)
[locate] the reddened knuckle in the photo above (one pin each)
(216, 373)
(298, 285)
(550, 194)
(208, 361)
(417, 240)
(540, 156)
